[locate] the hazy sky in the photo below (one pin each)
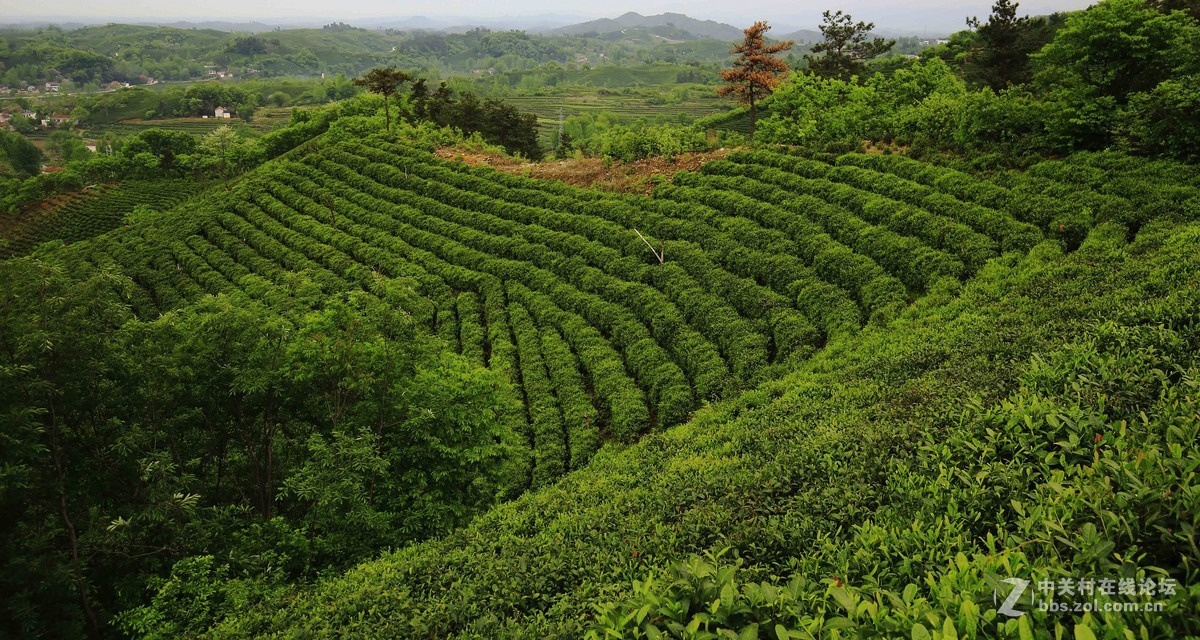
(886, 13)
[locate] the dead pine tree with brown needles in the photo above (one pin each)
(756, 70)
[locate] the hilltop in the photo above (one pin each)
(675, 25)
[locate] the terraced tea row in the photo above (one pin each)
(611, 314)
(97, 210)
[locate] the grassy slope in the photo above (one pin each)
(819, 473)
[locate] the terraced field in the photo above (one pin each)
(94, 211)
(768, 258)
(855, 316)
(547, 107)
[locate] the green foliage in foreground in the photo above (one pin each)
(1082, 462)
(1041, 424)
(284, 446)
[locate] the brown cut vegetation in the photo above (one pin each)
(608, 175)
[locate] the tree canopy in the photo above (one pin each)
(846, 48)
(756, 70)
(385, 82)
(1001, 55)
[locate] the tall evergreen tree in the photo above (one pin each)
(846, 48)
(756, 70)
(1004, 43)
(1190, 6)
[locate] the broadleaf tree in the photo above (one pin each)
(385, 81)
(756, 70)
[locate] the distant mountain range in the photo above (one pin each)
(678, 23)
(677, 26)
(451, 24)
(803, 35)
(671, 27)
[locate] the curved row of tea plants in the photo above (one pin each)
(848, 496)
(765, 258)
(97, 210)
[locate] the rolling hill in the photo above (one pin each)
(912, 364)
(772, 258)
(801, 36)
(883, 489)
(793, 390)
(898, 331)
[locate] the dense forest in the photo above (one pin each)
(896, 346)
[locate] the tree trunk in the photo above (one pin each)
(387, 113)
(85, 602)
(269, 487)
(753, 117)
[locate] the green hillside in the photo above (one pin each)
(808, 475)
(832, 355)
(94, 211)
(881, 490)
(766, 267)
(94, 55)
(634, 107)
(915, 356)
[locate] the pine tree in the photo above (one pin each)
(846, 47)
(756, 70)
(1189, 6)
(999, 59)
